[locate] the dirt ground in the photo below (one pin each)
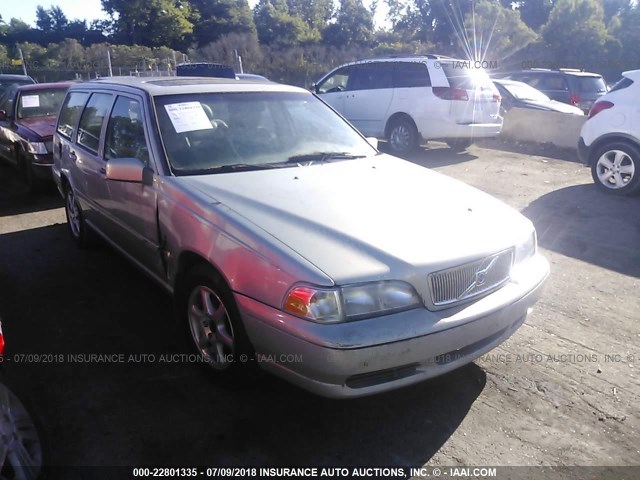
(564, 390)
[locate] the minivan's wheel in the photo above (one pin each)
(460, 144)
(403, 137)
(21, 448)
(214, 328)
(75, 220)
(616, 168)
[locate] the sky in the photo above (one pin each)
(92, 9)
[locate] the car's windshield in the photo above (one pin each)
(525, 92)
(209, 132)
(40, 103)
(5, 83)
(591, 84)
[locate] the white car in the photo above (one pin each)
(406, 100)
(610, 138)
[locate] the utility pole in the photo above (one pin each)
(109, 62)
(24, 67)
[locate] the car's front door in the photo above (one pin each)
(132, 207)
(333, 88)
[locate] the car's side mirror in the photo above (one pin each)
(129, 170)
(373, 141)
(3, 116)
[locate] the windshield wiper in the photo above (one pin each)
(235, 167)
(322, 157)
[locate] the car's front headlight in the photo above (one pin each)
(38, 148)
(351, 302)
(526, 249)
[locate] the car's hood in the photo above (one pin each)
(41, 126)
(379, 217)
(553, 105)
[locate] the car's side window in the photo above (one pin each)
(92, 119)
(411, 74)
(70, 113)
(336, 82)
(125, 136)
(371, 76)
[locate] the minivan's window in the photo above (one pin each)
(624, 82)
(222, 132)
(336, 82)
(40, 103)
(466, 78)
(370, 76)
(91, 120)
(70, 112)
(410, 74)
(125, 132)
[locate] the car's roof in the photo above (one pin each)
(415, 59)
(45, 86)
(12, 76)
(503, 81)
(157, 86)
(576, 73)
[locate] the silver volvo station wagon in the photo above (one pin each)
(286, 237)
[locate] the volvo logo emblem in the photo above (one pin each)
(481, 276)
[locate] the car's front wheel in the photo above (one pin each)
(616, 168)
(403, 137)
(214, 328)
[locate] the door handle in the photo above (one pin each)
(72, 155)
(102, 171)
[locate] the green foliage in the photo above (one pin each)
(217, 18)
(535, 13)
(494, 32)
(276, 26)
(353, 25)
(575, 32)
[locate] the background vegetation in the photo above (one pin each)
(296, 41)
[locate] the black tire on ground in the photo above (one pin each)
(207, 313)
(80, 233)
(459, 145)
(615, 168)
(402, 136)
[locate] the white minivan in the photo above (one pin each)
(407, 100)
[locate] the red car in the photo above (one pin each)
(27, 120)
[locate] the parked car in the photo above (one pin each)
(9, 80)
(574, 87)
(20, 440)
(610, 138)
(286, 237)
(27, 121)
(520, 95)
(407, 100)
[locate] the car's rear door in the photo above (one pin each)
(131, 208)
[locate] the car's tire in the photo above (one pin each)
(615, 168)
(207, 313)
(77, 227)
(460, 144)
(402, 136)
(23, 452)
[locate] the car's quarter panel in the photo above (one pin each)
(252, 261)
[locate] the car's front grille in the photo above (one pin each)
(470, 280)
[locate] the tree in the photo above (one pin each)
(58, 19)
(535, 13)
(353, 25)
(494, 32)
(276, 26)
(43, 19)
(150, 22)
(217, 18)
(575, 34)
(315, 13)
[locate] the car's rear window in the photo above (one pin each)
(590, 84)
(460, 76)
(624, 82)
(40, 103)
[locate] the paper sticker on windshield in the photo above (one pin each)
(30, 101)
(188, 116)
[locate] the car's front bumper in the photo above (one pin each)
(354, 359)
